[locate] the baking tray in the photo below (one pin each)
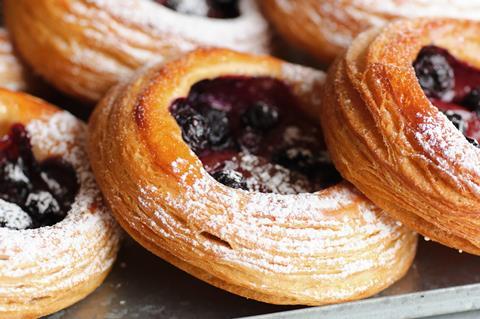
(143, 286)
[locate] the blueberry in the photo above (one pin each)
(217, 8)
(224, 2)
(42, 203)
(473, 141)
(328, 174)
(472, 100)
(45, 191)
(15, 185)
(195, 132)
(171, 4)
(223, 9)
(434, 73)
(61, 180)
(44, 209)
(297, 158)
(195, 129)
(261, 116)
(219, 135)
(230, 178)
(457, 121)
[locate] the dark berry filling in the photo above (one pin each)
(453, 86)
(43, 191)
(249, 134)
(219, 9)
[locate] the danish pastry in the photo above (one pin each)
(12, 74)
(326, 28)
(400, 120)
(57, 239)
(84, 46)
(212, 163)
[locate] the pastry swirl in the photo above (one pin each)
(43, 270)
(388, 139)
(83, 47)
(308, 248)
(326, 28)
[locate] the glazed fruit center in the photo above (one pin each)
(453, 86)
(32, 194)
(220, 9)
(249, 133)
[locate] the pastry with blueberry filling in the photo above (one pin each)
(83, 47)
(401, 120)
(216, 163)
(58, 240)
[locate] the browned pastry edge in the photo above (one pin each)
(60, 301)
(326, 28)
(297, 25)
(386, 137)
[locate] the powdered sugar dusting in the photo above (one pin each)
(15, 173)
(196, 7)
(61, 256)
(462, 9)
(248, 32)
(305, 78)
(263, 175)
(339, 22)
(299, 235)
(12, 216)
(438, 133)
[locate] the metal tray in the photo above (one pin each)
(143, 286)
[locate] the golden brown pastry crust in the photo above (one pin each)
(83, 47)
(325, 28)
(46, 269)
(386, 137)
(12, 74)
(312, 249)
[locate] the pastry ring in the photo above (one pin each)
(326, 28)
(309, 248)
(57, 239)
(387, 136)
(83, 47)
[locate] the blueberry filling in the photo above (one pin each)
(434, 73)
(249, 135)
(260, 116)
(219, 9)
(42, 192)
(195, 130)
(453, 86)
(230, 178)
(300, 159)
(472, 100)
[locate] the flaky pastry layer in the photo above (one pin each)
(387, 138)
(46, 269)
(325, 247)
(325, 28)
(84, 46)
